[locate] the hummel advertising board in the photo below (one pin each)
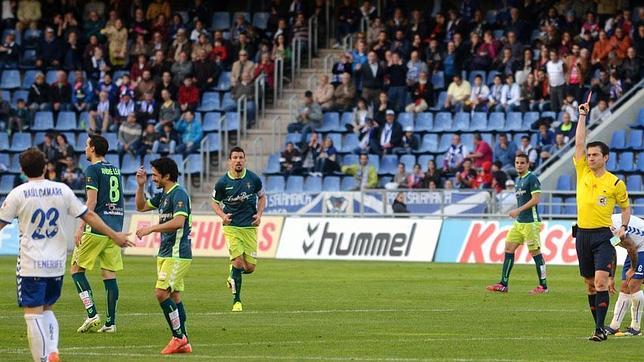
(383, 239)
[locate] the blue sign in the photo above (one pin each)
(10, 239)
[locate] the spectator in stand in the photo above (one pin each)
(28, 13)
(206, 72)
(344, 94)
(576, 69)
(530, 94)
(601, 50)
(400, 179)
(267, 68)
(556, 70)
(360, 117)
(616, 89)
(145, 85)
(100, 115)
(559, 144)
(454, 156)
(327, 160)
(281, 49)
(159, 65)
(365, 173)
(484, 177)
(168, 139)
(391, 133)
(371, 77)
(415, 66)
(631, 68)
(239, 26)
(39, 98)
(376, 28)
(570, 106)
(466, 176)
(479, 97)
(529, 150)
(49, 51)
(188, 95)
(396, 73)
(169, 110)
(60, 93)
(158, 7)
(137, 69)
(341, 67)
(458, 93)
(359, 55)
(148, 138)
(433, 174)
(71, 53)
(567, 127)
(190, 132)
(409, 142)
(167, 85)
(97, 66)
(510, 95)
(47, 146)
(181, 69)
(147, 109)
(71, 174)
(310, 152)
(219, 52)
(9, 52)
(422, 95)
(482, 151)
(244, 88)
(416, 177)
(601, 112)
(64, 149)
(323, 94)
(82, 93)
(601, 85)
(496, 95)
(241, 67)
(545, 137)
(129, 136)
(124, 108)
(308, 119)
(117, 39)
(506, 65)
(504, 152)
(348, 17)
(18, 118)
(620, 42)
(498, 177)
(400, 44)
(290, 160)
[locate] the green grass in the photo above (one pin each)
(305, 310)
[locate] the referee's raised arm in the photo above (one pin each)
(580, 134)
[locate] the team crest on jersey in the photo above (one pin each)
(602, 201)
(89, 179)
(179, 204)
(248, 185)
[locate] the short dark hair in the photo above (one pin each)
(308, 94)
(477, 136)
(602, 146)
(100, 145)
(524, 156)
(32, 162)
(236, 149)
(524, 137)
(166, 166)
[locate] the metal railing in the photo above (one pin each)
(258, 151)
(312, 82)
(278, 79)
(329, 60)
(242, 112)
(296, 57)
(313, 38)
(347, 42)
(364, 24)
(260, 95)
(276, 134)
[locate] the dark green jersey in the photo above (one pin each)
(526, 186)
(238, 196)
(175, 202)
(106, 179)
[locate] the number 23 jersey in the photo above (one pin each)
(43, 208)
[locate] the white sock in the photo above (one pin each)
(36, 336)
(621, 306)
(51, 331)
(636, 309)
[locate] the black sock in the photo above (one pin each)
(182, 317)
(602, 300)
(591, 304)
(237, 277)
(508, 263)
(112, 292)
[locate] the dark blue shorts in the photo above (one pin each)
(639, 268)
(38, 291)
(595, 252)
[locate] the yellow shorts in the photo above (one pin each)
(170, 273)
(242, 241)
(526, 232)
(97, 247)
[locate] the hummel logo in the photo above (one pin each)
(229, 188)
(310, 230)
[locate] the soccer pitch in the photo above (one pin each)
(332, 311)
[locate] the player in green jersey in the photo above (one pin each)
(175, 254)
(105, 197)
(526, 228)
(239, 199)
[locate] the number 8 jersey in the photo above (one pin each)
(106, 180)
(43, 208)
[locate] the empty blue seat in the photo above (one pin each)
(273, 166)
(112, 140)
(529, 118)
(444, 143)
(514, 122)
(194, 164)
(438, 80)
(429, 144)
(409, 161)
(260, 20)
(611, 165)
(114, 160)
(5, 160)
(220, 20)
(626, 162)
(228, 103)
(213, 142)
(388, 165)
(490, 76)
(313, 184)
(570, 207)
(349, 143)
(349, 183)
(640, 162)
(406, 119)
(82, 140)
(223, 84)
(350, 159)
(638, 209)
(295, 184)
(20, 142)
(6, 184)
(51, 75)
(564, 182)
(556, 205)
(10, 79)
(66, 121)
(130, 164)
(424, 122)
(634, 183)
(4, 141)
(639, 121)
(440, 102)
(443, 122)
(293, 138)
(43, 121)
(337, 140)
(244, 13)
(29, 78)
(14, 164)
(178, 159)
(209, 102)
(374, 160)
(330, 122)
(467, 139)
(275, 184)
(549, 114)
(636, 140)
(618, 140)
(129, 185)
(462, 121)
(424, 160)
(211, 122)
(331, 184)
(345, 119)
(232, 122)
(497, 121)
(19, 94)
(479, 122)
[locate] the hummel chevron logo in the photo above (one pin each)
(310, 230)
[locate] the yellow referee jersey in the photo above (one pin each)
(597, 196)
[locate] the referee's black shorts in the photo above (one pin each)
(595, 252)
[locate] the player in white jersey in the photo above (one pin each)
(630, 294)
(44, 208)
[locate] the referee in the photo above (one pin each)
(597, 193)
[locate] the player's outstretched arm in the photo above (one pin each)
(139, 196)
(176, 223)
(580, 133)
(536, 197)
(95, 222)
(92, 196)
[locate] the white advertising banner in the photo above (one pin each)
(384, 239)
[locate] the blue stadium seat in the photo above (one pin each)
(636, 141)
(6, 95)
(424, 122)
(194, 165)
(443, 122)
(66, 121)
(442, 96)
(634, 183)
(497, 121)
(129, 185)
(349, 183)
(50, 76)
(374, 160)
(639, 121)
(349, 143)
(638, 209)
(444, 143)
(44, 121)
(223, 85)
(549, 114)
(345, 118)
(228, 103)
(38, 138)
(611, 165)
(71, 138)
(295, 184)
(29, 78)
(529, 118)
(618, 140)
(423, 160)
(178, 159)
(462, 121)
(313, 184)
(479, 122)
(514, 122)
(330, 122)
(19, 94)
(14, 164)
(388, 165)
(406, 119)
(28, 59)
(273, 166)
(337, 140)
(6, 184)
(5, 159)
(350, 159)
(498, 34)
(82, 139)
(564, 182)
(293, 138)
(232, 122)
(275, 184)
(260, 20)
(211, 122)
(114, 160)
(71, 77)
(468, 140)
(408, 161)
(640, 162)
(429, 144)
(213, 143)
(490, 76)
(147, 162)
(4, 141)
(209, 102)
(20, 142)
(112, 140)
(626, 162)
(331, 184)
(130, 164)
(10, 79)
(245, 14)
(570, 207)
(473, 75)
(556, 205)
(438, 80)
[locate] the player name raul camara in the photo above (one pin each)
(44, 192)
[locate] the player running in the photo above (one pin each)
(175, 254)
(43, 208)
(526, 228)
(105, 197)
(239, 199)
(630, 295)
